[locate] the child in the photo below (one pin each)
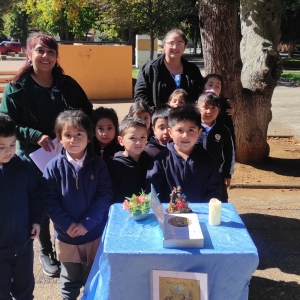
(178, 98)
(214, 83)
(76, 194)
(21, 214)
(106, 133)
(161, 136)
(185, 163)
(216, 139)
(140, 109)
(128, 168)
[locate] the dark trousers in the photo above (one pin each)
(73, 276)
(45, 237)
(224, 198)
(16, 275)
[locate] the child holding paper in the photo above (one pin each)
(76, 194)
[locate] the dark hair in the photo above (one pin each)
(77, 118)
(7, 126)
(45, 40)
(175, 31)
(184, 113)
(161, 112)
(128, 122)
(205, 79)
(179, 91)
(210, 99)
(138, 107)
(109, 113)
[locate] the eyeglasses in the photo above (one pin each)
(178, 45)
(42, 52)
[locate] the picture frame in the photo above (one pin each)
(173, 285)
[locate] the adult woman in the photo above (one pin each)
(33, 99)
(159, 78)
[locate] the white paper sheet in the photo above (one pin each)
(41, 157)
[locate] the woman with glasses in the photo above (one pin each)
(159, 78)
(33, 99)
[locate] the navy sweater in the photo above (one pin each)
(219, 144)
(128, 176)
(77, 197)
(21, 205)
(154, 146)
(198, 176)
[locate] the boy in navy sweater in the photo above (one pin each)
(159, 141)
(21, 214)
(216, 138)
(129, 167)
(185, 163)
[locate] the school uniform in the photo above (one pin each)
(154, 146)
(21, 207)
(76, 192)
(218, 142)
(128, 176)
(198, 176)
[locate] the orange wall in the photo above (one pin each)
(145, 44)
(104, 72)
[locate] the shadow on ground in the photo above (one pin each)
(281, 166)
(278, 244)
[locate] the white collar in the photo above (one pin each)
(77, 164)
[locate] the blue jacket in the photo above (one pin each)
(198, 176)
(77, 197)
(21, 205)
(219, 144)
(128, 176)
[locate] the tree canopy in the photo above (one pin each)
(67, 18)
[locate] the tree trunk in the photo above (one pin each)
(250, 88)
(24, 29)
(196, 40)
(151, 45)
(132, 33)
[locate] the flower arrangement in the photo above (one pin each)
(138, 205)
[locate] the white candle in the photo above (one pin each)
(214, 215)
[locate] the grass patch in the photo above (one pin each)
(135, 73)
(293, 59)
(294, 76)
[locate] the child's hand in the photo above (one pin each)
(79, 229)
(35, 231)
(227, 182)
(230, 111)
(70, 230)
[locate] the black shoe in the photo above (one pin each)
(48, 268)
(54, 261)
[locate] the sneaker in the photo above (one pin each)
(48, 268)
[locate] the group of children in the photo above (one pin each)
(99, 164)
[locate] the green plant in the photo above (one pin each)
(135, 73)
(294, 76)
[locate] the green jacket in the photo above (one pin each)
(16, 102)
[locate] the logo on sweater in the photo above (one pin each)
(218, 137)
(92, 177)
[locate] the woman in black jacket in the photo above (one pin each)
(159, 78)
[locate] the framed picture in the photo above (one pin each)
(173, 285)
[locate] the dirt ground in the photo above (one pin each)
(281, 167)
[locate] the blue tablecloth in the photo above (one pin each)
(131, 249)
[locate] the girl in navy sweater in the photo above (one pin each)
(76, 194)
(106, 125)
